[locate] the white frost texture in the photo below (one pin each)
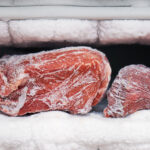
(124, 32)
(61, 30)
(105, 32)
(61, 131)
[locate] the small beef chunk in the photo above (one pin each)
(129, 92)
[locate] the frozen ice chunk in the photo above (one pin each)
(124, 32)
(28, 31)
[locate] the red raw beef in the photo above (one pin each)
(129, 92)
(70, 79)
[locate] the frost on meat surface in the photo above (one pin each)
(129, 92)
(71, 79)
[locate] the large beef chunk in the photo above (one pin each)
(129, 92)
(70, 79)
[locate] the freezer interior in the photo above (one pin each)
(118, 28)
